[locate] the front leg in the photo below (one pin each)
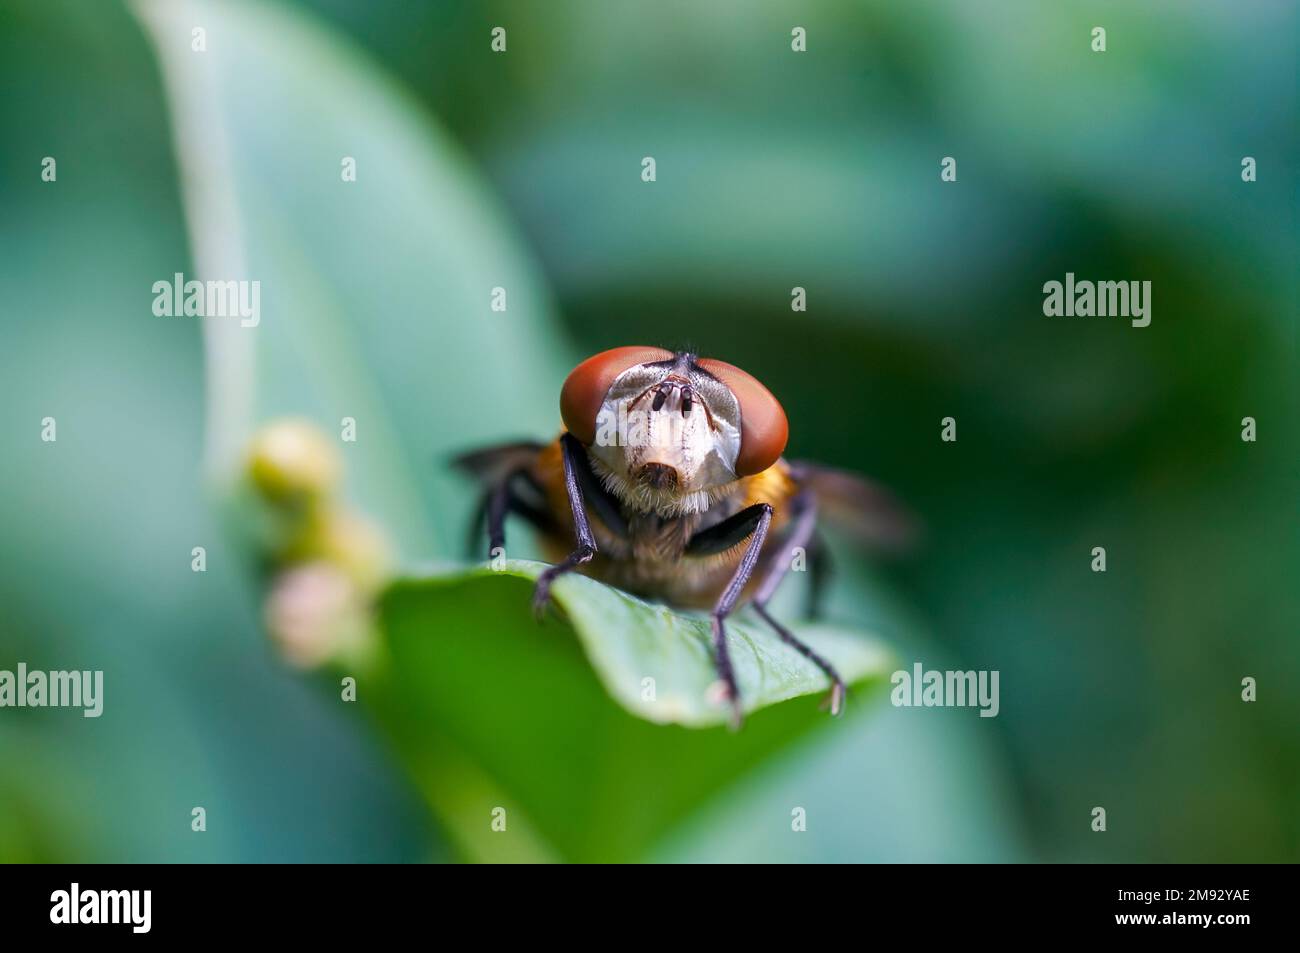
(574, 455)
(802, 536)
(750, 523)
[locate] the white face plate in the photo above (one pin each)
(701, 445)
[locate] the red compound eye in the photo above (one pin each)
(764, 429)
(585, 389)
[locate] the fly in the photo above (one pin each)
(668, 481)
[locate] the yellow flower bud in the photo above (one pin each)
(292, 459)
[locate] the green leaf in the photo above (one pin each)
(628, 640)
(490, 709)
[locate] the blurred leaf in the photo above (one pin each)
(99, 526)
(890, 785)
(475, 683)
(375, 293)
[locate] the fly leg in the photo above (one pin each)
(494, 506)
(575, 459)
(750, 523)
(490, 513)
(801, 537)
(498, 505)
(821, 568)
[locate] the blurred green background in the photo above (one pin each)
(775, 169)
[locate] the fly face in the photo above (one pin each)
(669, 433)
